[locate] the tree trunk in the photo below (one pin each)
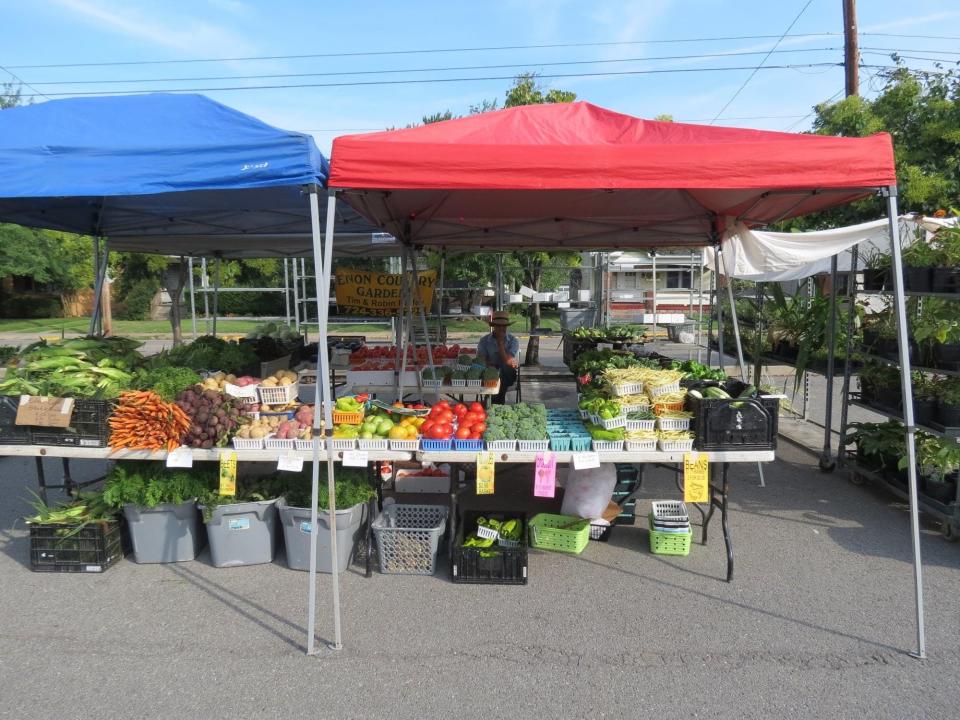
(175, 305)
(532, 276)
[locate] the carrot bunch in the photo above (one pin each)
(143, 421)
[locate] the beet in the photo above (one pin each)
(207, 444)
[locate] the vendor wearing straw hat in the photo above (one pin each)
(499, 349)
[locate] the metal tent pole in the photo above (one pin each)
(423, 318)
(322, 262)
(443, 268)
(700, 303)
(653, 256)
(286, 288)
(907, 390)
(216, 292)
(758, 340)
(719, 305)
(826, 459)
(296, 297)
(845, 392)
(99, 273)
(193, 299)
(205, 285)
(498, 296)
(734, 320)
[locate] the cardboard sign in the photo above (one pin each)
(485, 473)
(355, 458)
(182, 457)
(44, 411)
(228, 473)
(290, 463)
(696, 477)
(364, 292)
(586, 460)
(545, 475)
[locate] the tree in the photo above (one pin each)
(664, 117)
(922, 113)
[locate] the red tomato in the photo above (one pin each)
(427, 427)
(442, 404)
(475, 435)
(445, 430)
(463, 433)
(446, 418)
(477, 407)
(473, 418)
(460, 409)
(480, 428)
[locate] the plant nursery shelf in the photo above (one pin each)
(914, 293)
(896, 363)
(951, 432)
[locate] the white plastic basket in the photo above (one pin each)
(533, 445)
(584, 415)
(427, 383)
(642, 445)
(342, 443)
(624, 389)
(507, 543)
(405, 445)
(487, 533)
(248, 392)
(607, 445)
(613, 423)
(669, 510)
(272, 443)
(502, 445)
(673, 423)
(247, 443)
(474, 383)
(280, 395)
(641, 424)
(664, 389)
(373, 444)
(676, 445)
(458, 383)
(306, 444)
(636, 407)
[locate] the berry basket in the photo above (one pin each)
(533, 445)
(669, 511)
(612, 423)
(475, 383)
(247, 443)
(560, 443)
(347, 418)
(665, 406)
(405, 445)
(580, 443)
(458, 382)
(306, 444)
(664, 389)
(373, 444)
(246, 392)
(676, 445)
(627, 409)
(641, 424)
(408, 537)
(273, 443)
(669, 543)
(625, 389)
(435, 445)
(502, 445)
(468, 445)
(279, 395)
(642, 445)
(560, 533)
(342, 443)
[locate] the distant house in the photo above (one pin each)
(630, 283)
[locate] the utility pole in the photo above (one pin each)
(851, 48)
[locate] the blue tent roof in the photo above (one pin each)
(177, 174)
(146, 144)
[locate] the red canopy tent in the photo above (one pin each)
(579, 176)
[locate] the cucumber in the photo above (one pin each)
(748, 391)
(695, 394)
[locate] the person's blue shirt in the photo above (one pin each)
(489, 352)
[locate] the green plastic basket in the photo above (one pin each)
(665, 543)
(560, 533)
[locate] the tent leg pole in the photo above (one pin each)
(193, 299)
(205, 285)
(851, 314)
(736, 323)
(700, 311)
(286, 289)
(216, 292)
(423, 317)
(443, 268)
(719, 305)
(99, 270)
(826, 460)
(296, 297)
(653, 256)
(907, 390)
(758, 340)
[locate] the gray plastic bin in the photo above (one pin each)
(243, 533)
(165, 533)
(573, 318)
(296, 536)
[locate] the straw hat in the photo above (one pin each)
(500, 317)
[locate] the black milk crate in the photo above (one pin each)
(601, 532)
(505, 566)
(88, 426)
(10, 432)
(737, 423)
(63, 548)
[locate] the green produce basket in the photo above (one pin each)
(667, 543)
(560, 533)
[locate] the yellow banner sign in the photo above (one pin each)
(696, 478)
(364, 292)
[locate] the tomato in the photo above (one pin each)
(460, 409)
(446, 418)
(476, 435)
(477, 407)
(444, 431)
(427, 427)
(480, 428)
(464, 433)
(442, 404)
(473, 418)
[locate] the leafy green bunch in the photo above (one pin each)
(147, 484)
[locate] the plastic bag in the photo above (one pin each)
(588, 492)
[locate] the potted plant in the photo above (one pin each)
(160, 507)
(879, 445)
(946, 276)
(880, 385)
(242, 529)
(353, 492)
(938, 460)
(924, 397)
(948, 403)
(876, 276)
(919, 259)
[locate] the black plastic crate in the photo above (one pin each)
(601, 532)
(88, 426)
(505, 566)
(10, 432)
(737, 423)
(627, 473)
(63, 548)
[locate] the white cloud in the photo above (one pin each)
(911, 21)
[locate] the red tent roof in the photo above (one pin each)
(590, 177)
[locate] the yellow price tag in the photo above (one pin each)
(228, 473)
(696, 478)
(485, 472)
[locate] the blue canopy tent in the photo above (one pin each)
(177, 174)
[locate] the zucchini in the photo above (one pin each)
(748, 391)
(695, 394)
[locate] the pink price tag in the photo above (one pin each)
(545, 475)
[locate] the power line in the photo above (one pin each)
(762, 62)
(916, 37)
(911, 57)
(830, 99)
(25, 84)
(378, 53)
(425, 81)
(430, 69)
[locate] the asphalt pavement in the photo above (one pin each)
(817, 623)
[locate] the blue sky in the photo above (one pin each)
(71, 32)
